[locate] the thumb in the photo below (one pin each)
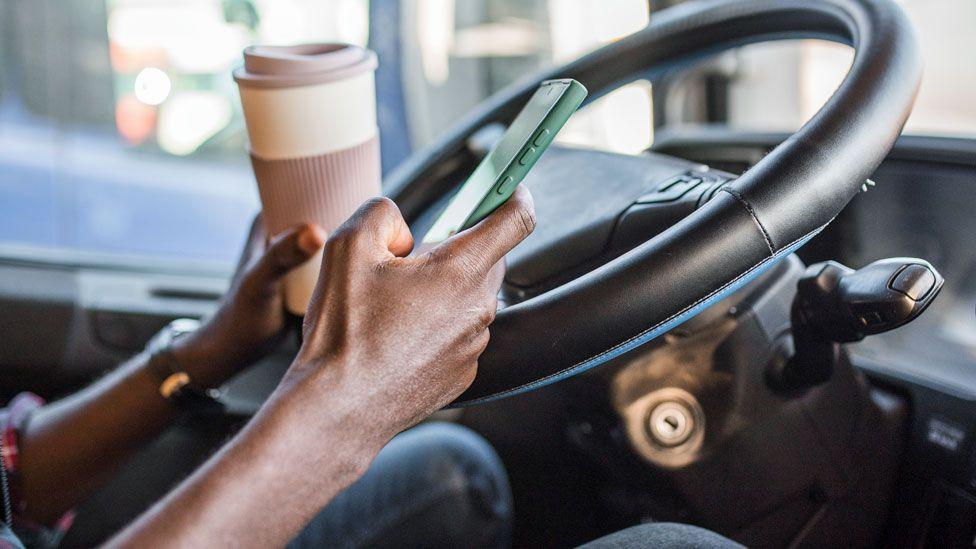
(289, 250)
(486, 243)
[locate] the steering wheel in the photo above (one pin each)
(759, 218)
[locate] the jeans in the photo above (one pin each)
(442, 485)
(436, 485)
(663, 535)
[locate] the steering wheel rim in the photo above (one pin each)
(763, 216)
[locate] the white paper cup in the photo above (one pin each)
(310, 112)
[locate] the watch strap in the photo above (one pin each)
(175, 384)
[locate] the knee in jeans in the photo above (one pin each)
(463, 467)
(663, 535)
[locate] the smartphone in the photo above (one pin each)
(495, 179)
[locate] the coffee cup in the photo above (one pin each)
(310, 112)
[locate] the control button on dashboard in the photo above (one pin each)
(540, 137)
(506, 185)
(945, 434)
(527, 156)
(915, 281)
(680, 181)
(671, 190)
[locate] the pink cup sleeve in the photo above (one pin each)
(324, 189)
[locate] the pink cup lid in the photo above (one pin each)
(302, 65)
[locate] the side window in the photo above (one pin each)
(120, 128)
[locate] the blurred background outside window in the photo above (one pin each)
(122, 141)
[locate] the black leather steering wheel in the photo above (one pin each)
(761, 217)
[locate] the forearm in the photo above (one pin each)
(70, 446)
(264, 486)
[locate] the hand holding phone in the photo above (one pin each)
(495, 179)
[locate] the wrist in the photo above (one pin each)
(319, 398)
(323, 438)
(206, 366)
(171, 363)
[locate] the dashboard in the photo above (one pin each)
(921, 204)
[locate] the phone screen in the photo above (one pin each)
(484, 177)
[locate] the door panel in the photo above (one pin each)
(63, 326)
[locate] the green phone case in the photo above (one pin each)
(572, 97)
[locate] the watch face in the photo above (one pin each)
(182, 326)
(174, 330)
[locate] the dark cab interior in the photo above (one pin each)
(769, 332)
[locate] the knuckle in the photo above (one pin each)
(483, 338)
(486, 316)
(526, 215)
(475, 330)
(380, 205)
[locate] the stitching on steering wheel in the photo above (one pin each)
(738, 196)
(783, 252)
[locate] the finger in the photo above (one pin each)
(290, 249)
(486, 243)
(378, 228)
(255, 242)
(496, 276)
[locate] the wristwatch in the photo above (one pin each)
(175, 384)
